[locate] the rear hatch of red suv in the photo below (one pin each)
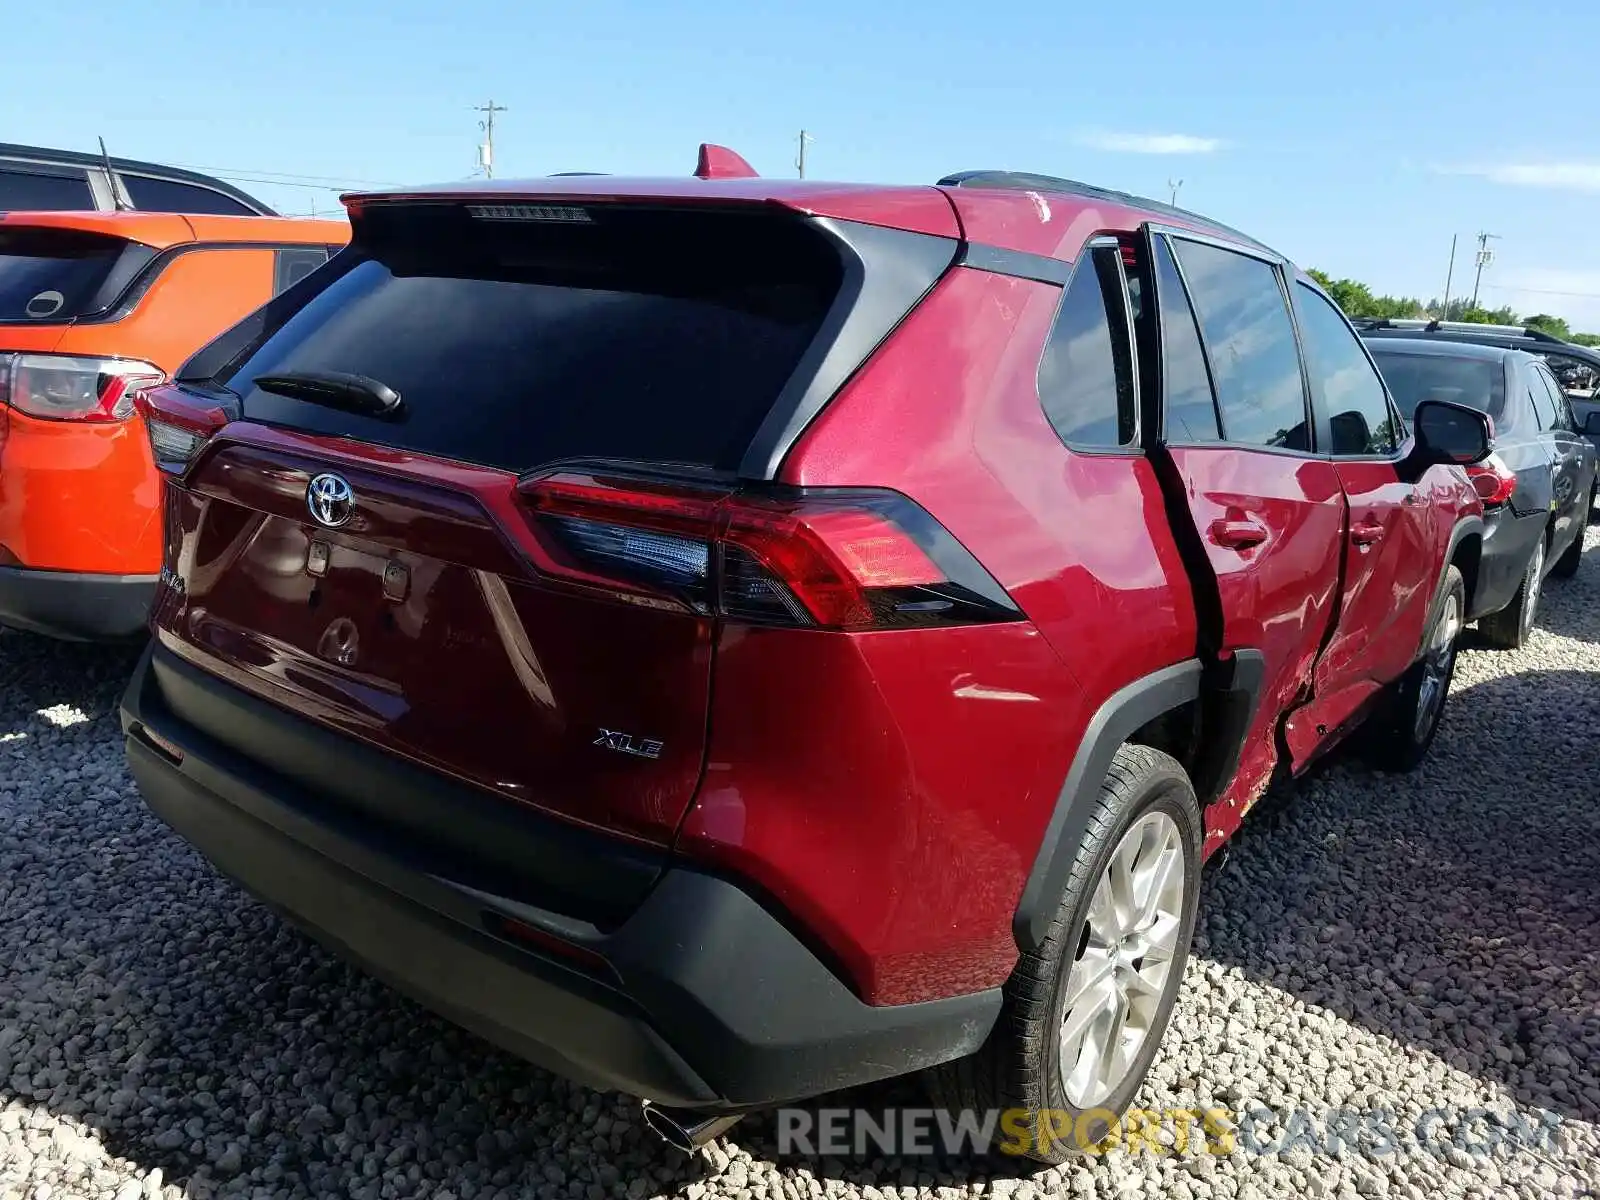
(458, 496)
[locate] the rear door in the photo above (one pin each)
(1579, 379)
(1567, 456)
(1389, 548)
(1545, 395)
(429, 606)
(1269, 510)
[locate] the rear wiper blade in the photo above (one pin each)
(335, 389)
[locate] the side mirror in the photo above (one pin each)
(1449, 434)
(1591, 424)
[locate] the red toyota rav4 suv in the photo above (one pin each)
(727, 639)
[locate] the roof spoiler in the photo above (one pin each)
(718, 162)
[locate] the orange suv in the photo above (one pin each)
(93, 305)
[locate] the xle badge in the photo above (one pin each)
(626, 743)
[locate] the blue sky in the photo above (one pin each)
(1353, 137)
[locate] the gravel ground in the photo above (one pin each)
(1414, 945)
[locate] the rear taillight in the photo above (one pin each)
(66, 387)
(1492, 480)
(842, 559)
(178, 426)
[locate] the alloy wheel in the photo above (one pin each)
(1117, 983)
(1530, 588)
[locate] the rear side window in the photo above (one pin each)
(24, 189)
(1342, 378)
(513, 342)
(1250, 342)
(53, 275)
(1086, 375)
(1561, 413)
(1543, 405)
(1191, 406)
(1577, 378)
(166, 195)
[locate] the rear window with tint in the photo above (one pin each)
(1413, 378)
(53, 275)
(43, 189)
(513, 342)
(167, 195)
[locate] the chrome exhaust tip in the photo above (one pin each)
(687, 1131)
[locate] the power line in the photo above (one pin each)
(317, 187)
(263, 175)
(1503, 287)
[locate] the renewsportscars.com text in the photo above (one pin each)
(1339, 1132)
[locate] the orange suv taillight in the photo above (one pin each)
(178, 426)
(68, 387)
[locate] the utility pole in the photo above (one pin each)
(1174, 184)
(1484, 258)
(1448, 276)
(800, 162)
(486, 150)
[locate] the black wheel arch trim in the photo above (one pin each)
(1466, 526)
(1230, 688)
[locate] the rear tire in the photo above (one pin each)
(1120, 939)
(1399, 733)
(1572, 558)
(1510, 628)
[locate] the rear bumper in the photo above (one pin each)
(1508, 542)
(77, 606)
(698, 997)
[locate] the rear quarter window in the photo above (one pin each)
(53, 275)
(1086, 375)
(167, 195)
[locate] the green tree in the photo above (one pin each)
(1486, 316)
(1358, 300)
(1551, 325)
(1355, 298)
(1586, 339)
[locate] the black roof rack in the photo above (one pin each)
(1029, 182)
(1434, 325)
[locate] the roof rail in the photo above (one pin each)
(1027, 181)
(1484, 327)
(1433, 325)
(1390, 323)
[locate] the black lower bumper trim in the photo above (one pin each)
(74, 605)
(706, 1000)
